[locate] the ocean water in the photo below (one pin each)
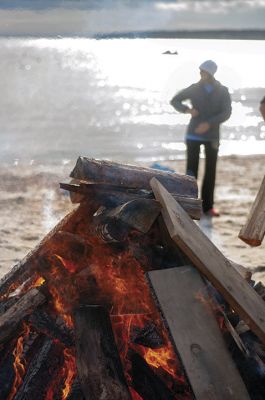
(61, 98)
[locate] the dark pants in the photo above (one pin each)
(208, 183)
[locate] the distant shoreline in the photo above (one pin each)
(247, 34)
(188, 34)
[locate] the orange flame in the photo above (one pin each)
(69, 370)
(39, 282)
(162, 357)
(19, 362)
(68, 265)
(59, 305)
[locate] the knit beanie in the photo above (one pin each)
(209, 66)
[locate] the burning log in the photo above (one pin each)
(15, 314)
(25, 268)
(253, 231)
(197, 337)
(7, 373)
(7, 303)
(147, 336)
(40, 371)
(146, 382)
(76, 391)
(99, 367)
(114, 196)
(211, 262)
(14, 355)
(70, 246)
(45, 324)
(132, 176)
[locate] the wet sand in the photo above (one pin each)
(31, 203)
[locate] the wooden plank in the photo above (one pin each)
(211, 262)
(253, 231)
(193, 327)
(243, 271)
(98, 363)
(131, 176)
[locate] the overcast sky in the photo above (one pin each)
(89, 17)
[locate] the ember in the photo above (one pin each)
(81, 318)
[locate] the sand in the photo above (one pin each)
(31, 203)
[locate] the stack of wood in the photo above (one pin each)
(130, 221)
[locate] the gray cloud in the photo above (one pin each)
(93, 17)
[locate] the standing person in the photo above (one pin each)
(210, 106)
(262, 107)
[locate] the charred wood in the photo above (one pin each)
(110, 230)
(132, 176)
(99, 367)
(45, 324)
(70, 246)
(40, 371)
(7, 373)
(76, 392)
(252, 366)
(14, 315)
(146, 382)
(7, 303)
(24, 269)
(147, 336)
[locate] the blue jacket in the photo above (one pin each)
(214, 107)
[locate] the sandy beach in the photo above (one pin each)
(32, 203)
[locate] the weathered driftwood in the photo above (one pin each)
(114, 196)
(211, 262)
(99, 171)
(253, 231)
(99, 367)
(196, 334)
(15, 314)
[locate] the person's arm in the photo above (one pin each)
(177, 104)
(224, 113)
(262, 108)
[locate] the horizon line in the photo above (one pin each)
(244, 34)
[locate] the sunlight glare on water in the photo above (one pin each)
(110, 98)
